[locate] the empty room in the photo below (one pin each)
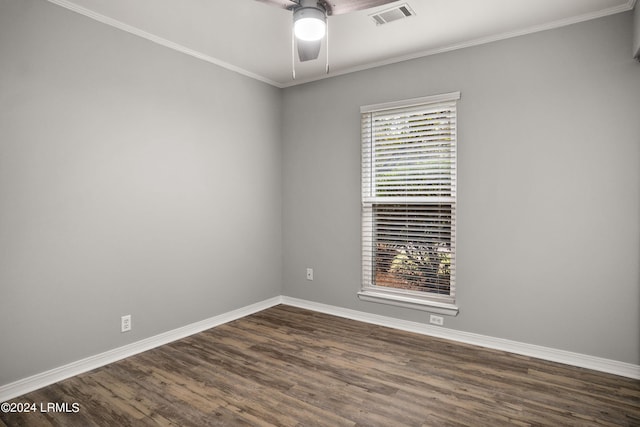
(319, 213)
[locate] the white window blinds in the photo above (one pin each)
(409, 197)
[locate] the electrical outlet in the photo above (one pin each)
(125, 323)
(436, 320)
(309, 273)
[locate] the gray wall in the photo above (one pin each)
(130, 183)
(549, 186)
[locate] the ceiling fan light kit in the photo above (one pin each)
(310, 23)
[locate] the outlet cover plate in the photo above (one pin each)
(436, 320)
(125, 323)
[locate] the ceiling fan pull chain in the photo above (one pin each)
(327, 49)
(293, 55)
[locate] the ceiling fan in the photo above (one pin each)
(310, 22)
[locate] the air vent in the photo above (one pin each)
(393, 14)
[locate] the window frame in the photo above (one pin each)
(420, 300)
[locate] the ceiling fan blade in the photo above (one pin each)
(282, 4)
(339, 7)
(308, 51)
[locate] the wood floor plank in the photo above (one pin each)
(287, 366)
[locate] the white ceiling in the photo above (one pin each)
(255, 39)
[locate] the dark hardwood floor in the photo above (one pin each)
(287, 366)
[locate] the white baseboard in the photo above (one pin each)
(554, 355)
(26, 385)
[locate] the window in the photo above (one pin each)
(409, 203)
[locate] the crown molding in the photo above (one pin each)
(161, 41)
(475, 42)
(469, 43)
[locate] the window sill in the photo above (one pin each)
(408, 301)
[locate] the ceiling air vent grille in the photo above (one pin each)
(393, 14)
